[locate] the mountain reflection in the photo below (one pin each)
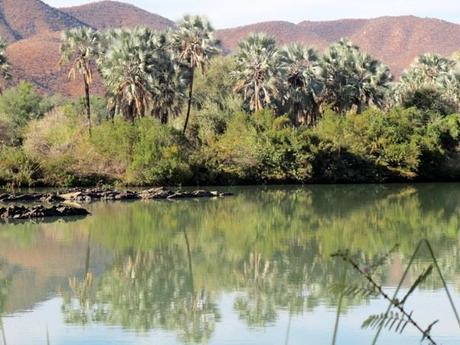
(161, 265)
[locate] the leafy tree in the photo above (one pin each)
(303, 83)
(80, 48)
(257, 71)
(18, 106)
(216, 85)
(354, 79)
(194, 42)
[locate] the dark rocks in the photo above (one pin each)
(40, 211)
(95, 194)
(155, 193)
(89, 195)
(5, 197)
(52, 198)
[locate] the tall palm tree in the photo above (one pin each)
(127, 69)
(302, 82)
(79, 47)
(4, 64)
(354, 78)
(195, 44)
(167, 89)
(257, 71)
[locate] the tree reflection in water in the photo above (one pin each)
(269, 247)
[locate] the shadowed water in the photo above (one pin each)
(251, 269)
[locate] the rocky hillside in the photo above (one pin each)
(21, 19)
(109, 14)
(32, 27)
(395, 40)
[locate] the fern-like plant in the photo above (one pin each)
(397, 317)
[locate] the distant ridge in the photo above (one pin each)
(113, 14)
(397, 41)
(25, 18)
(33, 29)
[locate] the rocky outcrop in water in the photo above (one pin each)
(161, 193)
(39, 211)
(96, 194)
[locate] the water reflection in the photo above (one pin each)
(147, 266)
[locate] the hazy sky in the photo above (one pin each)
(225, 13)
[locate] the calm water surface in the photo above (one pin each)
(251, 269)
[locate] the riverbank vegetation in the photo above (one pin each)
(177, 110)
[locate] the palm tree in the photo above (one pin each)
(127, 69)
(195, 44)
(431, 72)
(257, 71)
(4, 64)
(79, 48)
(167, 89)
(354, 78)
(302, 82)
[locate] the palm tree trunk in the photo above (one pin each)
(288, 331)
(3, 332)
(190, 95)
(88, 105)
(190, 265)
(88, 254)
(164, 118)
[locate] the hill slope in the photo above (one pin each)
(33, 28)
(395, 40)
(284, 32)
(110, 14)
(25, 18)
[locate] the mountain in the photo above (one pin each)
(32, 28)
(113, 14)
(21, 19)
(36, 60)
(397, 41)
(284, 32)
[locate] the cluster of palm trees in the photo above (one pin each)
(297, 80)
(144, 71)
(432, 72)
(148, 72)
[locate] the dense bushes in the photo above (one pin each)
(138, 153)
(229, 146)
(265, 114)
(260, 148)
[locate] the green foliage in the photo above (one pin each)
(17, 168)
(261, 148)
(18, 106)
(159, 155)
(386, 145)
(215, 85)
(429, 99)
(267, 114)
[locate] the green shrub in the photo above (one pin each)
(59, 142)
(17, 169)
(18, 106)
(258, 148)
(159, 155)
(390, 141)
(429, 100)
